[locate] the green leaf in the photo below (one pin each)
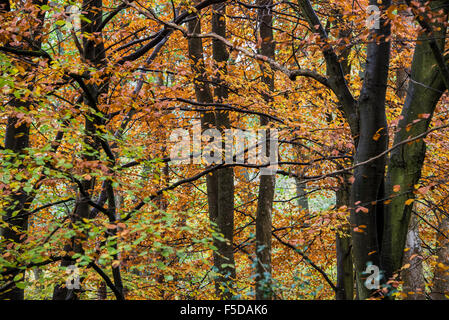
(20, 285)
(18, 277)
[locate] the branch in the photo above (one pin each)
(9, 271)
(26, 53)
(118, 294)
(21, 215)
(111, 15)
(302, 254)
(190, 179)
(383, 153)
(165, 31)
(337, 78)
(292, 74)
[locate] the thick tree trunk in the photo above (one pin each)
(413, 277)
(368, 185)
(404, 168)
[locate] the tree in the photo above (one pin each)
(109, 109)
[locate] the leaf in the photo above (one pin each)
(115, 263)
(396, 188)
(363, 209)
(20, 285)
(376, 136)
(409, 202)
(18, 277)
(424, 190)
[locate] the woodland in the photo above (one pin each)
(94, 207)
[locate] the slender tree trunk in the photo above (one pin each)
(225, 177)
(343, 243)
(17, 138)
(102, 291)
(220, 184)
(345, 272)
(301, 193)
(204, 95)
(264, 290)
(440, 288)
(413, 276)
(93, 51)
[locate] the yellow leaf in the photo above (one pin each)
(115, 263)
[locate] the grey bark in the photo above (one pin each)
(440, 288)
(413, 276)
(301, 193)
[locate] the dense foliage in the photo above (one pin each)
(92, 91)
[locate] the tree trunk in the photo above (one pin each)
(264, 290)
(413, 277)
(440, 289)
(16, 140)
(405, 164)
(369, 178)
(345, 272)
(301, 193)
(225, 177)
(220, 183)
(93, 51)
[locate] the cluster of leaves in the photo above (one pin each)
(161, 237)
